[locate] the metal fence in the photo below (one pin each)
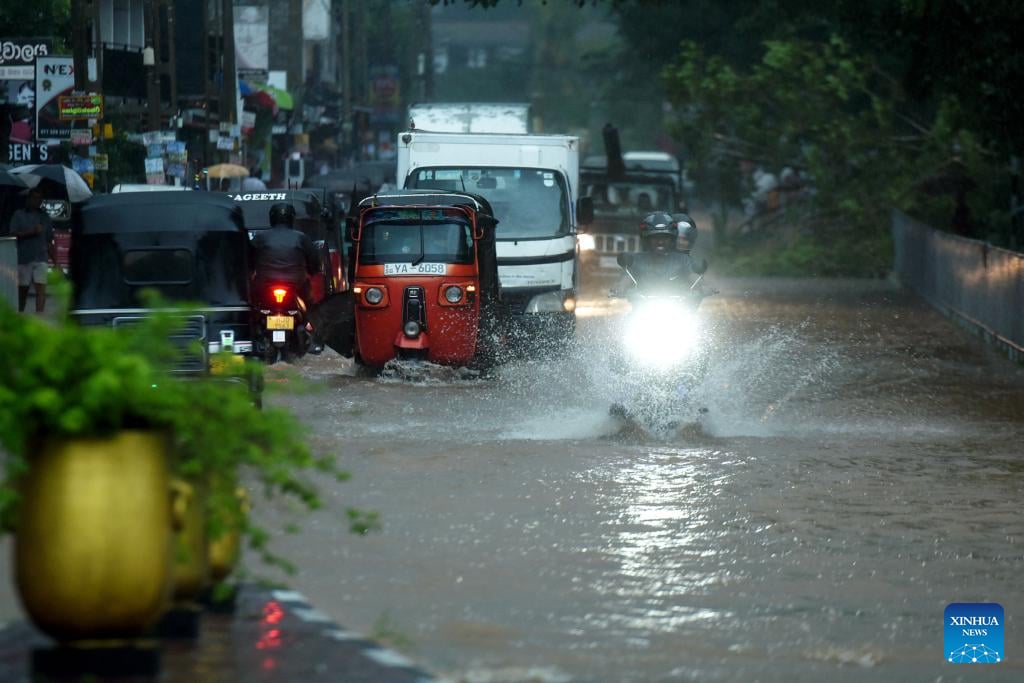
(9, 271)
(980, 286)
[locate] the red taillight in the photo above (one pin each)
(279, 294)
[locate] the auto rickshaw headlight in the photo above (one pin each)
(374, 296)
(411, 329)
(453, 294)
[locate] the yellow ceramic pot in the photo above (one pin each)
(191, 569)
(92, 549)
(226, 548)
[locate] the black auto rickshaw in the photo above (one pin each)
(311, 217)
(425, 280)
(190, 247)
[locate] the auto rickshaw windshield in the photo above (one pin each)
(406, 241)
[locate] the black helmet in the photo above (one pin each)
(687, 227)
(282, 212)
(658, 223)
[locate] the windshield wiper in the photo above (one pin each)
(423, 255)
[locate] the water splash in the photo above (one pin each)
(749, 386)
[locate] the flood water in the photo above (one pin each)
(859, 467)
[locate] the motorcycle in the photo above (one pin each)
(660, 359)
(282, 321)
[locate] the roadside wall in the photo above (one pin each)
(980, 286)
(9, 271)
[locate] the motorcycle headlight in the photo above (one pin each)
(662, 334)
(453, 294)
(374, 296)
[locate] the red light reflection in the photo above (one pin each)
(272, 613)
(270, 636)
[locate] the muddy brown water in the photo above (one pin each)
(860, 467)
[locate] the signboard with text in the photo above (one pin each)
(18, 92)
(18, 54)
(79, 107)
(55, 76)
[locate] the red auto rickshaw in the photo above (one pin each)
(425, 280)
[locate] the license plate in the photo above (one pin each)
(280, 322)
(418, 269)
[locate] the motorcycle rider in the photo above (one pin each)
(660, 264)
(284, 255)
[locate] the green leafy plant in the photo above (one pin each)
(62, 381)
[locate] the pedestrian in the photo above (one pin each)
(34, 230)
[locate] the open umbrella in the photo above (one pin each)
(10, 180)
(33, 174)
(227, 171)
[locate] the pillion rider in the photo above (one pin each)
(661, 265)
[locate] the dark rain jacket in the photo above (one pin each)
(670, 272)
(281, 253)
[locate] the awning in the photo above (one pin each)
(260, 92)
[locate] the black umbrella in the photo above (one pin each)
(76, 188)
(10, 180)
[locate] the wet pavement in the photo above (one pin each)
(273, 636)
(860, 467)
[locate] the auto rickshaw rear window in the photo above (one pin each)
(157, 267)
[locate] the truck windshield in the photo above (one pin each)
(528, 202)
(416, 242)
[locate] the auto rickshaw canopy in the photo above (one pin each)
(189, 246)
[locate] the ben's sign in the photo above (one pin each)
(78, 107)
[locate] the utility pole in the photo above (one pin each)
(230, 77)
(427, 34)
(150, 58)
(346, 71)
(295, 38)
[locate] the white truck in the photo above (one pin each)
(532, 184)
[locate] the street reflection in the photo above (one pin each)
(663, 543)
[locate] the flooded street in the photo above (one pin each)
(858, 469)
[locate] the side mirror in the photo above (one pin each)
(624, 259)
(702, 267)
(585, 211)
(351, 229)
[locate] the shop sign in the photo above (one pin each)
(80, 107)
(22, 52)
(55, 77)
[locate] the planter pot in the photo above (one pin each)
(191, 569)
(225, 549)
(92, 549)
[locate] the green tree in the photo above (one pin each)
(42, 18)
